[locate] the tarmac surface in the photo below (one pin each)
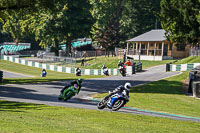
(7, 74)
(47, 93)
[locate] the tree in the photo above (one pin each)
(63, 20)
(119, 20)
(179, 19)
(13, 25)
(32, 5)
(106, 30)
(14, 12)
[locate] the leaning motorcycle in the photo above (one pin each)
(68, 93)
(78, 72)
(115, 102)
(122, 70)
(105, 72)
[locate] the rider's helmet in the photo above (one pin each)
(104, 65)
(120, 61)
(79, 81)
(127, 86)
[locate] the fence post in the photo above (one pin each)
(167, 67)
(196, 89)
(191, 79)
(133, 67)
(1, 76)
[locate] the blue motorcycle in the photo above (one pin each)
(115, 102)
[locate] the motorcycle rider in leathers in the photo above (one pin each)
(121, 89)
(76, 84)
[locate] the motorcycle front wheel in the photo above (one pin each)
(118, 104)
(101, 104)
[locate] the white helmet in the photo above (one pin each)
(127, 86)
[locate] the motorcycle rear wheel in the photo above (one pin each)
(59, 98)
(123, 73)
(118, 104)
(67, 96)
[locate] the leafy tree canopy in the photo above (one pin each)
(58, 21)
(180, 19)
(119, 20)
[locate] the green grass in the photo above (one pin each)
(32, 71)
(37, 118)
(166, 95)
(111, 62)
(190, 59)
(148, 64)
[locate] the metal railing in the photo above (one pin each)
(195, 52)
(58, 61)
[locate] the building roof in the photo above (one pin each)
(153, 35)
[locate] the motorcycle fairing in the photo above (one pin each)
(114, 98)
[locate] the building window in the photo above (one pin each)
(170, 47)
(159, 46)
(180, 47)
(142, 46)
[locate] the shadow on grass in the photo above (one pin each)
(85, 60)
(47, 92)
(29, 80)
(14, 106)
(37, 94)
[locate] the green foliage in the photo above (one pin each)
(119, 20)
(51, 24)
(179, 19)
(31, 5)
(69, 19)
(13, 25)
(57, 21)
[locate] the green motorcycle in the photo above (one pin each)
(68, 93)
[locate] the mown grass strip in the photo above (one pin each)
(135, 109)
(111, 62)
(167, 114)
(31, 118)
(165, 96)
(36, 72)
(190, 59)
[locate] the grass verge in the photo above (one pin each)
(166, 95)
(32, 71)
(111, 62)
(190, 59)
(31, 118)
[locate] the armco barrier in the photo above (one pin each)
(183, 67)
(63, 69)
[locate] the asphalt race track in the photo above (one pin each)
(7, 74)
(47, 93)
